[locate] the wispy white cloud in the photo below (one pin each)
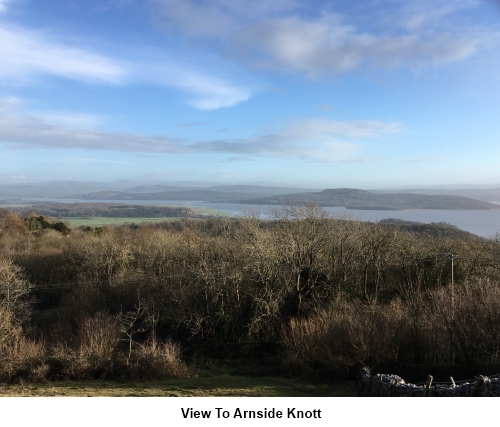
(199, 19)
(212, 93)
(324, 128)
(9, 103)
(309, 139)
(409, 34)
(327, 44)
(3, 5)
(416, 15)
(64, 118)
(26, 55)
(28, 132)
(237, 159)
(209, 93)
(206, 91)
(215, 18)
(334, 152)
(85, 161)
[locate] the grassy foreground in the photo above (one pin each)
(203, 384)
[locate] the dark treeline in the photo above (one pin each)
(305, 290)
(106, 210)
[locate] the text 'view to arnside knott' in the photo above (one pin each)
(238, 413)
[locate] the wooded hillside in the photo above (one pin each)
(301, 293)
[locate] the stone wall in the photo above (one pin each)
(382, 385)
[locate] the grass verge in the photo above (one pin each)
(202, 384)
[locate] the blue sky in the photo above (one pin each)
(322, 94)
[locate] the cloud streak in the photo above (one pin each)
(207, 92)
(320, 127)
(32, 132)
(309, 139)
(27, 55)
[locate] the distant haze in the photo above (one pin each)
(257, 194)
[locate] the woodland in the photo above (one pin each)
(303, 294)
(104, 210)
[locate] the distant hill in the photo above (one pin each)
(130, 189)
(155, 189)
(240, 190)
(53, 189)
(460, 199)
(484, 194)
(219, 193)
(198, 195)
(360, 199)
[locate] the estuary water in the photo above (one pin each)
(480, 222)
(483, 223)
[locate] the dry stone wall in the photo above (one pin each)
(382, 385)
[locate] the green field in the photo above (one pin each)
(101, 221)
(203, 384)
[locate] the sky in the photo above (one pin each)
(317, 94)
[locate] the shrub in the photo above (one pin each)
(155, 359)
(341, 337)
(21, 358)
